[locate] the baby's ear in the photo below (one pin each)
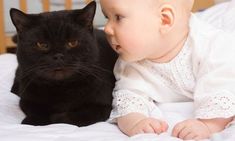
(167, 18)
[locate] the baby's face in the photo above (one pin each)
(133, 28)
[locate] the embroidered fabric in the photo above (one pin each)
(219, 105)
(178, 73)
(126, 102)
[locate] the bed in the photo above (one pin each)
(221, 16)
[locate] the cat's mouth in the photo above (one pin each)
(60, 73)
(59, 69)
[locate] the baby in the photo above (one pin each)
(168, 55)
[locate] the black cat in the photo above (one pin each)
(65, 67)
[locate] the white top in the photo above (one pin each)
(203, 72)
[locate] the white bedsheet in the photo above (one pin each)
(11, 115)
(221, 16)
(12, 130)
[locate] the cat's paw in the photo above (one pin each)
(27, 120)
(35, 121)
(60, 118)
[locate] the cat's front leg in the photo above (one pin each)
(90, 114)
(36, 120)
(16, 85)
(35, 114)
(60, 118)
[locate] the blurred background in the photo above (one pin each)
(7, 29)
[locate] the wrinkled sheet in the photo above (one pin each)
(221, 16)
(12, 130)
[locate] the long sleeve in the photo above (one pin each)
(214, 94)
(130, 92)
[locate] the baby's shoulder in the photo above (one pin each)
(121, 64)
(204, 37)
(130, 68)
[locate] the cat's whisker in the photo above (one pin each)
(92, 70)
(100, 68)
(29, 70)
(62, 65)
(27, 84)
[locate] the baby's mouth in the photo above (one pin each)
(117, 47)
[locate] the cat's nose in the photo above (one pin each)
(58, 56)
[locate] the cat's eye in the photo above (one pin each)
(72, 44)
(42, 46)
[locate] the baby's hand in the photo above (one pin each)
(191, 129)
(149, 125)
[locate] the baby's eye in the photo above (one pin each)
(106, 17)
(72, 44)
(118, 17)
(42, 46)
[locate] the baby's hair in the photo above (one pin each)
(186, 4)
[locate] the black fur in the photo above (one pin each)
(58, 83)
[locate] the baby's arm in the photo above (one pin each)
(136, 123)
(131, 103)
(197, 129)
(216, 125)
(214, 97)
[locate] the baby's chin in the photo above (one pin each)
(130, 59)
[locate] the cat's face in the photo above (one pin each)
(56, 45)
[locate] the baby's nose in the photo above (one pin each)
(108, 29)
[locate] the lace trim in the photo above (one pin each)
(126, 102)
(219, 106)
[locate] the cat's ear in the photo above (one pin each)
(85, 17)
(19, 19)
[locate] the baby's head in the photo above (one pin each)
(146, 29)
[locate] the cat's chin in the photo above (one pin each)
(59, 74)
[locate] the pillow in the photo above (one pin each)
(221, 16)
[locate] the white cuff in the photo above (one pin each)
(220, 105)
(126, 102)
